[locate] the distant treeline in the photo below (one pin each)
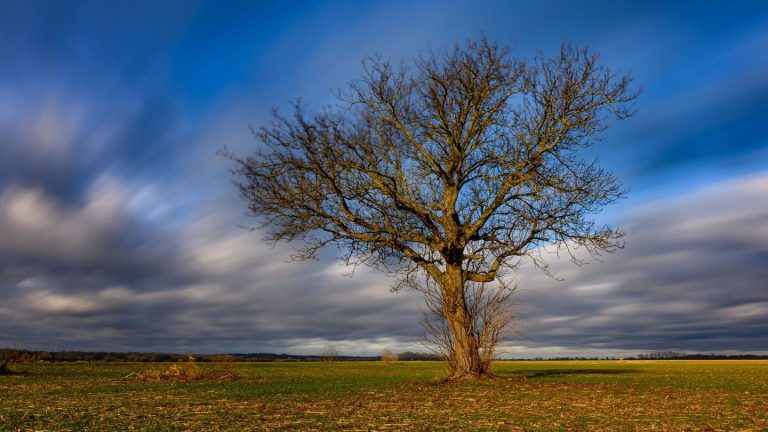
(662, 355)
(672, 355)
(29, 356)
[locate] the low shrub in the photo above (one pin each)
(6, 367)
(184, 373)
(388, 357)
(330, 353)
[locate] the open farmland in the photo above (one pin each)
(568, 396)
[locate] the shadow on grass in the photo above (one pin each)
(543, 373)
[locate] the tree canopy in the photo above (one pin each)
(455, 167)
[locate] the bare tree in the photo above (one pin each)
(330, 353)
(447, 173)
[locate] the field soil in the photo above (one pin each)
(368, 396)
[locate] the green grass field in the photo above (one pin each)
(354, 396)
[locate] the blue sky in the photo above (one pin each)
(118, 221)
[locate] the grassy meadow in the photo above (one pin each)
(362, 396)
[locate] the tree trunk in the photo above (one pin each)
(464, 358)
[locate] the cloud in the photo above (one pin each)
(117, 223)
(210, 285)
(692, 277)
(34, 225)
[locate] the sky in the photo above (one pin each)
(119, 224)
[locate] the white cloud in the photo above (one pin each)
(33, 224)
(746, 312)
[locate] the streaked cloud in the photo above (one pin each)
(692, 277)
(118, 224)
(680, 284)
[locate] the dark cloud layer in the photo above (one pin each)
(118, 222)
(64, 281)
(692, 277)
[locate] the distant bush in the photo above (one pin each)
(6, 362)
(388, 357)
(6, 367)
(330, 353)
(181, 372)
(184, 373)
